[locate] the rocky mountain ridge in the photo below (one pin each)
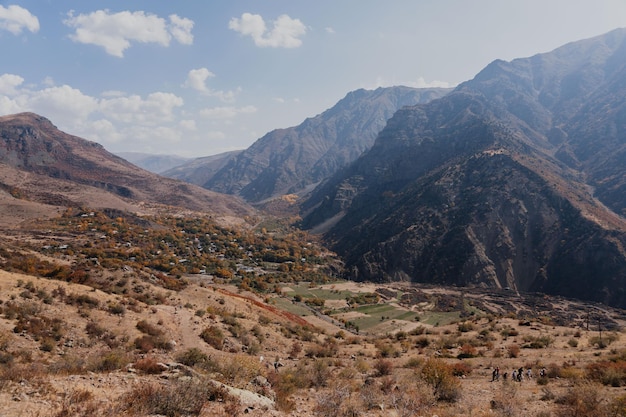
(493, 185)
(39, 164)
(295, 159)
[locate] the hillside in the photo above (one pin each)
(200, 170)
(42, 167)
(153, 163)
(493, 185)
(293, 160)
(101, 316)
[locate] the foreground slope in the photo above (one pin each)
(41, 165)
(493, 184)
(289, 160)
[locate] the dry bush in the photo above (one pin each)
(181, 398)
(149, 365)
(412, 399)
(328, 349)
(505, 402)
(331, 402)
(318, 373)
(241, 369)
(438, 374)
(461, 369)
(192, 357)
(213, 336)
(608, 372)
(422, 342)
(147, 343)
(538, 342)
(109, 361)
(513, 350)
(69, 365)
(583, 399)
(467, 351)
(602, 341)
(383, 367)
(80, 403)
(150, 329)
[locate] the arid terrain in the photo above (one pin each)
(212, 349)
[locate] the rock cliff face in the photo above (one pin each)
(515, 179)
(293, 160)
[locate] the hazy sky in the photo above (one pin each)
(200, 77)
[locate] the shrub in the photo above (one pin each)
(466, 326)
(538, 342)
(438, 374)
(149, 329)
(413, 399)
(422, 342)
(383, 367)
(414, 362)
(149, 366)
(608, 373)
(192, 357)
(110, 361)
(117, 309)
(513, 350)
(240, 369)
(583, 399)
(461, 369)
(213, 336)
(146, 343)
(180, 398)
(467, 351)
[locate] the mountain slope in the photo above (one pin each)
(290, 160)
(153, 163)
(200, 170)
(492, 184)
(41, 164)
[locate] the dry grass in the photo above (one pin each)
(167, 359)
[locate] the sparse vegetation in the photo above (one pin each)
(172, 327)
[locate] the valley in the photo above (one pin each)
(101, 315)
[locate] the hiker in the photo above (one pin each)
(520, 374)
(495, 374)
(529, 373)
(504, 376)
(514, 375)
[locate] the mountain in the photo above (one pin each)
(513, 180)
(200, 170)
(153, 163)
(291, 160)
(42, 166)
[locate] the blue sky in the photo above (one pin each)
(200, 77)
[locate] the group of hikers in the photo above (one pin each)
(517, 374)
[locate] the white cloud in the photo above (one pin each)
(188, 125)
(15, 19)
(422, 83)
(285, 33)
(9, 82)
(197, 78)
(330, 30)
(180, 28)
(115, 31)
(228, 112)
(155, 109)
(62, 104)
